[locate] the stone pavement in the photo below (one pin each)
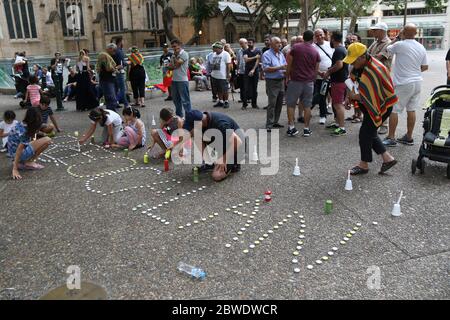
(50, 221)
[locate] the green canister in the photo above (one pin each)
(328, 207)
(125, 152)
(195, 176)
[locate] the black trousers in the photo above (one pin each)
(368, 137)
(251, 89)
(59, 85)
(320, 99)
(241, 86)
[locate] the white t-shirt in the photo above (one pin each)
(112, 118)
(6, 129)
(410, 55)
(218, 64)
(325, 61)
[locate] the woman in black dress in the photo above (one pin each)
(86, 94)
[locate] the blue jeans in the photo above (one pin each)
(109, 92)
(121, 91)
(181, 97)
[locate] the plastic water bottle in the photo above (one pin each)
(194, 272)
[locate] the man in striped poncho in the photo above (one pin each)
(376, 97)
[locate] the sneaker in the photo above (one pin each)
(383, 130)
(332, 126)
(292, 132)
(323, 120)
(226, 105)
(219, 105)
(388, 142)
(301, 120)
(214, 100)
(307, 132)
(278, 126)
(3, 150)
(339, 132)
(405, 140)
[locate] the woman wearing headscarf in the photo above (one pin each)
(137, 77)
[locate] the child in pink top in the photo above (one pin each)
(33, 92)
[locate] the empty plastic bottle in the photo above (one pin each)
(194, 272)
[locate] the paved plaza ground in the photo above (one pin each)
(50, 221)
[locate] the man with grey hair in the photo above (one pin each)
(241, 66)
(289, 46)
(274, 66)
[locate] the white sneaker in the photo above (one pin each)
(323, 121)
(3, 150)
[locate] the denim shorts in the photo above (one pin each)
(27, 153)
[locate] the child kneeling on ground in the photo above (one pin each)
(163, 137)
(8, 123)
(23, 145)
(47, 112)
(134, 135)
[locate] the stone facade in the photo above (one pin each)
(36, 26)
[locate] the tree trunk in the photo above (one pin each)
(351, 28)
(304, 16)
(281, 21)
(342, 24)
(168, 14)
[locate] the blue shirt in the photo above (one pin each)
(18, 135)
(271, 59)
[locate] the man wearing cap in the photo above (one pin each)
(164, 61)
(274, 66)
(410, 62)
(378, 49)
(232, 139)
(376, 98)
(220, 65)
(179, 64)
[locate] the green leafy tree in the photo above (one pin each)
(401, 6)
(200, 13)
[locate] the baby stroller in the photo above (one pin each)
(436, 141)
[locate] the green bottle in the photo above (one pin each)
(195, 177)
(328, 207)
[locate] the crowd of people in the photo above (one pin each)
(318, 68)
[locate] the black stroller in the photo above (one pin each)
(436, 140)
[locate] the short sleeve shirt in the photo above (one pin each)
(45, 114)
(219, 65)
(340, 76)
(18, 135)
(180, 74)
(304, 60)
(251, 54)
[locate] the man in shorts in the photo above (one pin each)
(410, 62)
(338, 73)
(302, 70)
(220, 66)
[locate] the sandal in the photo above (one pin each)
(358, 171)
(387, 166)
(356, 120)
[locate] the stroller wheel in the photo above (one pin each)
(448, 171)
(414, 166)
(423, 164)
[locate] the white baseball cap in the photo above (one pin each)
(380, 26)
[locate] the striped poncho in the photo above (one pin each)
(377, 90)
